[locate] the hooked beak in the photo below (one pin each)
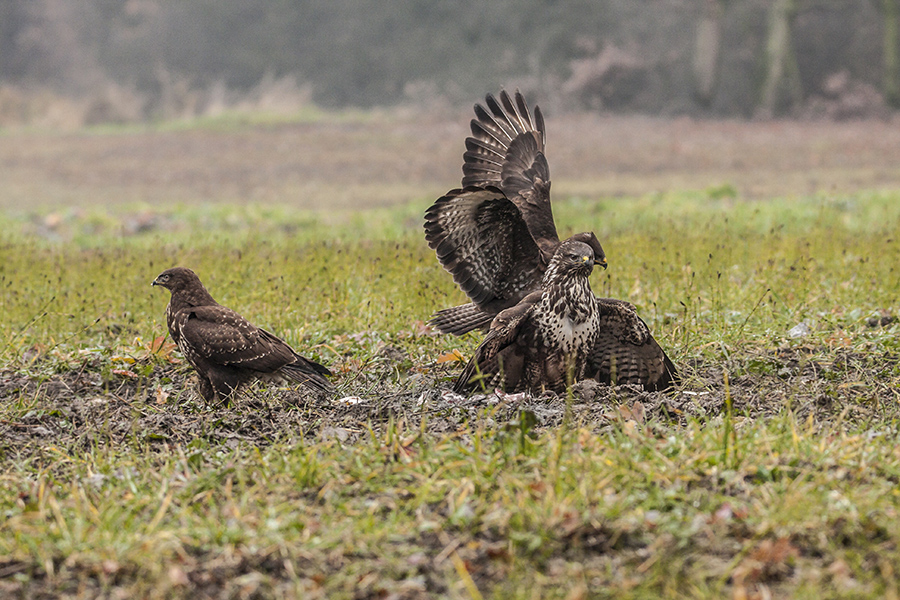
(600, 262)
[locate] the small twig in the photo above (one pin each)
(758, 303)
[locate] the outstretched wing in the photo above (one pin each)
(500, 358)
(479, 236)
(626, 351)
(506, 150)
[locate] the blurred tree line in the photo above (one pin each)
(703, 57)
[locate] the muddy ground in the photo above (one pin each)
(73, 411)
(79, 408)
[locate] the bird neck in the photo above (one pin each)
(188, 298)
(568, 296)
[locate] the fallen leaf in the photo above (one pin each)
(635, 413)
(452, 356)
(161, 395)
(177, 576)
(421, 328)
(770, 560)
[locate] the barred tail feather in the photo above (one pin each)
(460, 319)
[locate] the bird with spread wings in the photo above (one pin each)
(496, 236)
(225, 348)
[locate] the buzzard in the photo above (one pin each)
(543, 341)
(562, 332)
(224, 347)
(496, 236)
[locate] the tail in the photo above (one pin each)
(309, 373)
(461, 319)
(464, 381)
(667, 378)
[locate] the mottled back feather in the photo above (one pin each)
(220, 335)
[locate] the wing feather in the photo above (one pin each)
(493, 131)
(499, 359)
(479, 237)
(626, 352)
(221, 336)
(506, 150)
(520, 120)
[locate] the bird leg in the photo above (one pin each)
(224, 384)
(206, 390)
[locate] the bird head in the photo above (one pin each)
(591, 240)
(176, 278)
(572, 257)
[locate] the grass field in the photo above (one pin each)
(772, 471)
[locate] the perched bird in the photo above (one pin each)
(224, 347)
(545, 340)
(563, 333)
(496, 236)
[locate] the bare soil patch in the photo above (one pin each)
(391, 159)
(76, 410)
(79, 408)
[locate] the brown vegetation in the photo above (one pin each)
(396, 158)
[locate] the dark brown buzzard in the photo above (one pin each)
(224, 347)
(563, 333)
(496, 236)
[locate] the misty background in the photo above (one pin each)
(76, 62)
